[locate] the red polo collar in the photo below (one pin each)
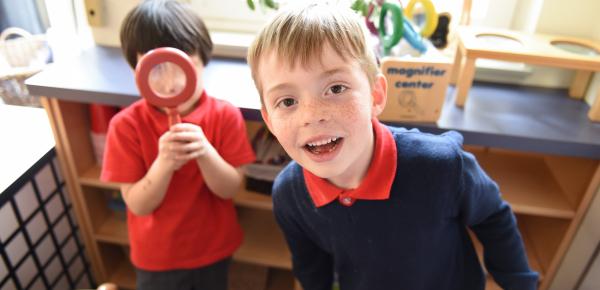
(375, 186)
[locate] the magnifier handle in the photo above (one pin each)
(174, 117)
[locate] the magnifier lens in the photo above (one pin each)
(166, 79)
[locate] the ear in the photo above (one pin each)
(379, 94)
(265, 116)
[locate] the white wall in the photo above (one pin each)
(594, 89)
(577, 257)
(573, 17)
(526, 15)
(113, 13)
(592, 278)
(570, 18)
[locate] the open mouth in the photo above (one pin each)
(323, 146)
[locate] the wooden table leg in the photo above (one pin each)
(465, 81)
(594, 113)
(458, 58)
(580, 84)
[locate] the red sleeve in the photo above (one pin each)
(122, 155)
(234, 145)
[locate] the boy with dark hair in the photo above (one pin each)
(177, 182)
(383, 207)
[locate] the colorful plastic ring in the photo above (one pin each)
(390, 41)
(413, 38)
(431, 17)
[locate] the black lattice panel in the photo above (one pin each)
(39, 237)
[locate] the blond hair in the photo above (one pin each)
(299, 34)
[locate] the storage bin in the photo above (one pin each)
(416, 88)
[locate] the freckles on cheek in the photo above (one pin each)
(280, 127)
(350, 111)
(285, 137)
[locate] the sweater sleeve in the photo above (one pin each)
(494, 224)
(312, 266)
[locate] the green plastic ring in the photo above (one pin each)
(390, 41)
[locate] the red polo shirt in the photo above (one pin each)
(375, 186)
(192, 227)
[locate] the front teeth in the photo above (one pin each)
(323, 142)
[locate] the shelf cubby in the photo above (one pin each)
(527, 183)
(115, 259)
(113, 229)
(263, 241)
(280, 280)
(91, 177)
(545, 237)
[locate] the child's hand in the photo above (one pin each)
(168, 152)
(183, 142)
(196, 144)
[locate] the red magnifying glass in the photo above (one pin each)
(166, 77)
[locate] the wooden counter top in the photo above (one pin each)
(503, 116)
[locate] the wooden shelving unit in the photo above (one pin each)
(527, 184)
(113, 230)
(279, 279)
(124, 275)
(264, 243)
(91, 177)
(550, 193)
(105, 230)
(532, 252)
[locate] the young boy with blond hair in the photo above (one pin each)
(381, 207)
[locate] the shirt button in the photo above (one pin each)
(347, 201)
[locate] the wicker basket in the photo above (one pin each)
(20, 58)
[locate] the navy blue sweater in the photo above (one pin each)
(416, 239)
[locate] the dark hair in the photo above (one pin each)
(159, 23)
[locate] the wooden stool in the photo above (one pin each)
(536, 49)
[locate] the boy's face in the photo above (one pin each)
(321, 113)
(169, 80)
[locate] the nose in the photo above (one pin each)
(172, 90)
(168, 86)
(164, 87)
(314, 112)
(167, 79)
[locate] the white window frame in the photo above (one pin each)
(233, 25)
(233, 29)
(221, 16)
